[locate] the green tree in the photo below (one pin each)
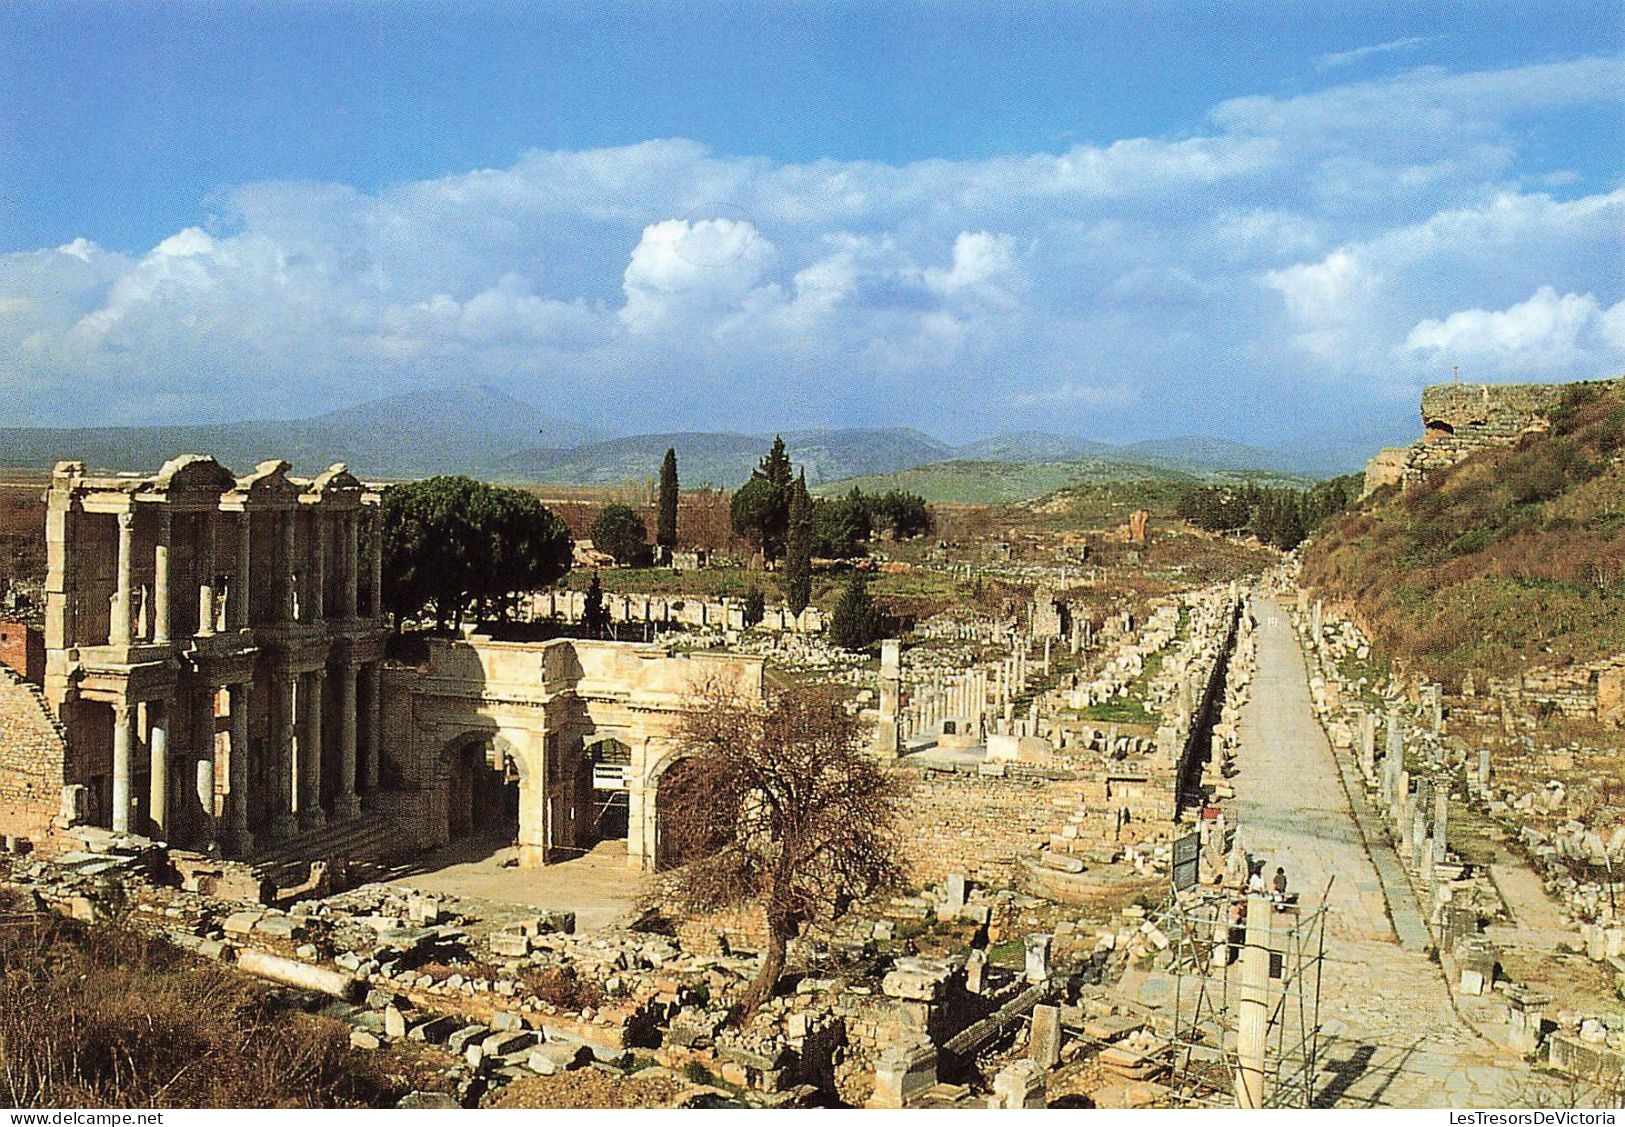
(594, 614)
(798, 549)
(755, 606)
(841, 526)
(666, 519)
(902, 515)
(761, 507)
(620, 532)
(856, 623)
(453, 542)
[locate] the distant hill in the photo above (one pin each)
(447, 430)
(1032, 446)
(968, 482)
(485, 432)
(727, 459)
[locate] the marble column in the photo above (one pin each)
(282, 819)
(203, 766)
(316, 594)
(158, 768)
(349, 565)
(375, 553)
(372, 735)
(160, 580)
(311, 814)
(205, 574)
(118, 633)
(345, 803)
(285, 561)
(236, 837)
(121, 766)
(240, 582)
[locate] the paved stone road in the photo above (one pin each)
(1396, 1040)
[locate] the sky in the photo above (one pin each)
(1267, 221)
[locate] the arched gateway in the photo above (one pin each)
(558, 745)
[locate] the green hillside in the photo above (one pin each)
(1515, 556)
(966, 482)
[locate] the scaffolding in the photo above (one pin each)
(1246, 1015)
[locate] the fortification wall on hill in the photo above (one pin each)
(1459, 420)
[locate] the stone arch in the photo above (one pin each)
(605, 786)
(486, 782)
(660, 849)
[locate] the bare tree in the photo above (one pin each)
(777, 804)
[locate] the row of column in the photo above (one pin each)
(284, 598)
(296, 748)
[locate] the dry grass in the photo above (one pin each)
(1514, 556)
(104, 1016)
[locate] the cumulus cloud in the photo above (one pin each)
(1331, 243)
(1566, 334)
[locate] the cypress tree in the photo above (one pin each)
(666, 519)
(798, 548)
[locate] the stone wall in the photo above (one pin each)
(979, 826)
(1459, 420)
(22, 648)
(1590, 692)
(673, 610)
(33, 761)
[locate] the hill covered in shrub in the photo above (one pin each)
(1512, 558)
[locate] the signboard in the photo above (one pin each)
(609, 776)
(1187, 851)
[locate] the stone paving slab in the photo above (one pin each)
(1398, 1040)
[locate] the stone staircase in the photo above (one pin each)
(368, 838)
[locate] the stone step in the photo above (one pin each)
(366, 837)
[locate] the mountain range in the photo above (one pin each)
(485, 432)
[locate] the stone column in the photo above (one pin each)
(316, 595)
(205, 574)
(371, 735)
(240, 583)
(160, 580)
(118, 633)
(375, 544)
(282, 819)
(121, 765)
(158, 769)
(349, 565)
(236, 838)
(1253, 1010)
(311, 814)
(203, 766)
(345, 803)
(285, 591)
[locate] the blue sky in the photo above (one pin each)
(1112, 220)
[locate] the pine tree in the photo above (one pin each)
(798, 548)
(666, 519)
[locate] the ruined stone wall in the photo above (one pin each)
(1591, 692)
(1459, 420)
(22, 648)
(978, 826)
(33, 761)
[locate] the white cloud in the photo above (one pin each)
(1336, 59)
(1565, 334)
(1297, 244)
